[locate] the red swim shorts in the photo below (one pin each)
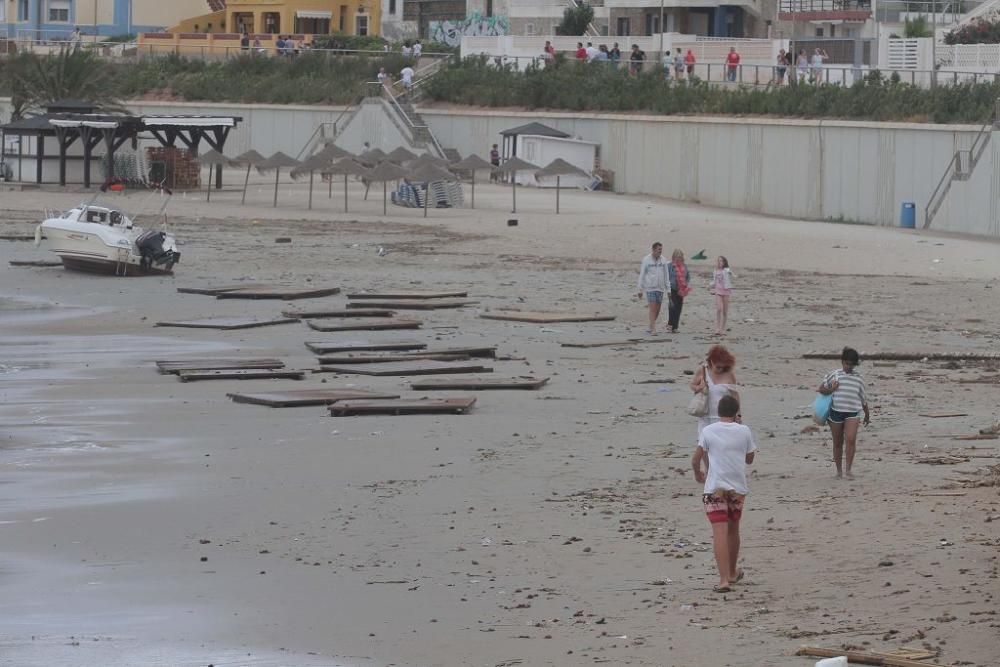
(723, 506)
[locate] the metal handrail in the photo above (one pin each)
(937, 197)
(951, 171)
(414, 127)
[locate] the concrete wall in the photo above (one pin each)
(796, 168)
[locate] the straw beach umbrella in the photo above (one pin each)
(276, 162)
(559, 168)
(346, 167)
(512, 166)
(428, 173)
(472, 164)
(372, 156)
(250, 158)
(400, 155)
(331, 152)
(213, 159)
(310, 166)
(384, 172)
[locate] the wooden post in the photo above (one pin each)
(277, 175)
(345, 190)
(39, 157)
(311, 174)
(246, 181)
(557, 195)
(473, 188)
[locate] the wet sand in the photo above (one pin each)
(151, 522)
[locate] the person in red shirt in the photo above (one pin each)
(732, 63)
(581, 53)
(689, 63)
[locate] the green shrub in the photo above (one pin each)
(602, 87)
(979, 31)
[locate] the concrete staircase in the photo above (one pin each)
(961, 167)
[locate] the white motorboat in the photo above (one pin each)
(101, 239)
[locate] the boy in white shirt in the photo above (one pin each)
(727, 448)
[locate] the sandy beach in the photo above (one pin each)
(145, 521)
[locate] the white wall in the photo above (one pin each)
(812, 169)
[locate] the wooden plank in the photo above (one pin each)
(373, 324)
(226, 323)
(977, 436)
(909, 356)
(278, 292)
(385, 358)
(36, 262)
(319, 314)
(939, 415)
(410, 294)
(402, 406)
(167, 367)
(478, 384)
(543, 318)
(611, 343)
(864, 657)
(215, 290)
(321, 347)
(416, 367)
(295, 398)
(413, 304)
(240, 374)
(479, 352)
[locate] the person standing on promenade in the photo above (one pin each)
(653, 283)
(850, 398)
(721, 287)
(680, 287)
(727, 447)
(715, 376)
(732, 64)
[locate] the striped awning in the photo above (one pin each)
(311, 14)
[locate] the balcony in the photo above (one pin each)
(851, 11)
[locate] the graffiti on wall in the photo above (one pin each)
(475, 24)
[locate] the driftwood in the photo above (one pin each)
(909, 356)
(865, 657)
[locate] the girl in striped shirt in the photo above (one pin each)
(849, 399)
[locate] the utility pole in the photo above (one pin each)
(934, 45)
(661, 31)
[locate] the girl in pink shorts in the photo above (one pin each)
(722, 287)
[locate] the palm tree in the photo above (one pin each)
(77, 74)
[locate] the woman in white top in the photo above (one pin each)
(850, 398)
(716, 376)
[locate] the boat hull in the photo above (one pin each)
(110, 268)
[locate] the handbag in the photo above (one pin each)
(821, 408)
(698, 407)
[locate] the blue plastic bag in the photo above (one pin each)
(821, 408)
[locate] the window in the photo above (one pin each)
(489, 7)
(529, 29)
(392, 6)
(59, 11)
(361, 25)
(819, 32)
(22, 10)
(623, 27)
(652, 23)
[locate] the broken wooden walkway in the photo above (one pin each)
(296, 398)
(403, 406)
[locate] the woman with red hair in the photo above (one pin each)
(715, 376)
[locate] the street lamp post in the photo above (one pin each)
(934, 44)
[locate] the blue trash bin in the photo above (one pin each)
(908, 215)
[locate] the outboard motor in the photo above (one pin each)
(150, 245)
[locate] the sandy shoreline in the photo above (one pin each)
(555, 527)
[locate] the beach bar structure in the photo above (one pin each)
(72, 133)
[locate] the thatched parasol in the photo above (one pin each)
(309, 166)
(333, 152)
(512, 166)
(372, 157)
(250, 158)
(428, 173)
(276, 162)
(472, 163)
(400, 155)
(384, 172)
(346, 167)
(213, 159)
(558, 168)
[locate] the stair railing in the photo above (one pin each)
(961, 168)
(414, 127)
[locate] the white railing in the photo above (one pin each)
(974, 57)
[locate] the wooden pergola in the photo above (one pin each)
(67, 122)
